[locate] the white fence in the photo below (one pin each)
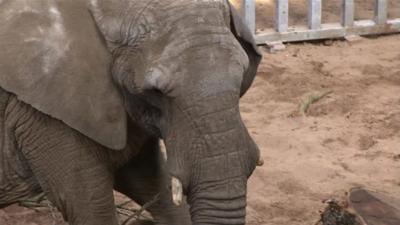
(315, 29)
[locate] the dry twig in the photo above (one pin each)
(138, 215)
(40, 202)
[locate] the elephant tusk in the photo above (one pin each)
(163, 150)
(177, 191)
(260, 162)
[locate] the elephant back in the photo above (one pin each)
(53, 58)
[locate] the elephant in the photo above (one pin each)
(90, 88)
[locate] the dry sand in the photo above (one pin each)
(349, 138)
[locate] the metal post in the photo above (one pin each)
(281, 15)
(314, 14)
(381, 11)
(249, 14)
(347, 13)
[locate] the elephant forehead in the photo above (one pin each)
(176, 26)
(174, 16)
(211, 13)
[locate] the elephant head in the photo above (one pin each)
(177, 68)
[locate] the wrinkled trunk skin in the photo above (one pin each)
(211, 152)
(221, 202)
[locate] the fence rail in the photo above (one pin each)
(315, 29)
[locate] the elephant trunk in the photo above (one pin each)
(222, 202)
(210, 156)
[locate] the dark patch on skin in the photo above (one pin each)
(147, 109)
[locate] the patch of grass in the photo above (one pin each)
(311, 99)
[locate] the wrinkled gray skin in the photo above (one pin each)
(180, 68)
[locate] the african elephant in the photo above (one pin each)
(90, 87)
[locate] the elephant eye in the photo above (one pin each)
(147, 110)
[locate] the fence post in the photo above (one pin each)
(249, 14)
(347, 13)
(314, 14)
(381, 11)
(281, 15)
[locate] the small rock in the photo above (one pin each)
(353, 38)
(328, 42)
(275, 47)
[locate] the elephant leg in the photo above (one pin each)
(143, 178)
(72, 170)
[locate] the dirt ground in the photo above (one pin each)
(350, 138)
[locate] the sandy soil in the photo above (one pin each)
(349, 138)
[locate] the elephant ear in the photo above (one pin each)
(54, 58)
(246, 39)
